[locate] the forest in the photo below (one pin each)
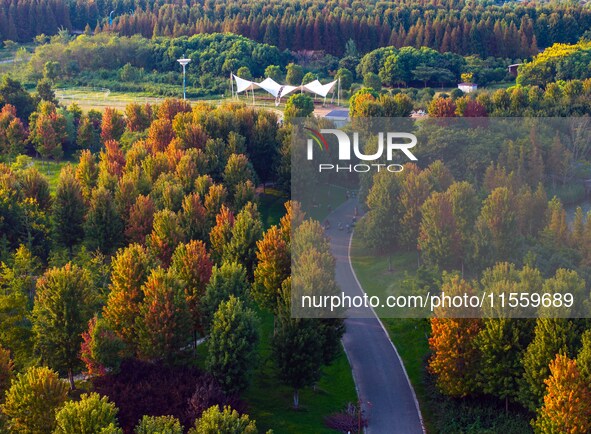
(511, 30)
(146, 249)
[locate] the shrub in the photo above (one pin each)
(153, 389)
(159, 425)
(226, 421)
(92, 414)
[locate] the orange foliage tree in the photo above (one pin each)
(567, 404)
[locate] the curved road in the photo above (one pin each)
(382, 383)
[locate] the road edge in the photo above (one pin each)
(414, 395)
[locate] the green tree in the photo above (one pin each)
(88, 134)
(552, 336)
(13, 93)
(92, 414)
(101, 348)
(238, 170)
(439, 239)
(274, 72)
(103, 228)
(296, 346)
(346, 78)
(32, 400)
(68, 210)
(6, 371)
(497, 228)
(159, 425)
(64, 303)
(226, 421)
(247, 230)
(295, 74)
(501, 349)
(17, 290)
(13, 134)
(45, 92)
(226, 280)
(299, 106)
(372, 81)
(231, 345)
(244, 72)
(379, 228)
(584, 356)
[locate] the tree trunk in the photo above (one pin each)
(296, 398)
(506, 405)
(390, 262)
(71, 379)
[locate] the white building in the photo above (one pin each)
(467, 87)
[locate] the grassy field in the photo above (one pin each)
(98, 98)
(408, 334)
(51, 169)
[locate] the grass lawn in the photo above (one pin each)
(271, 206)
(327, 198)
(98, 98)
(51, 169)
(408, 334)
(270, 403)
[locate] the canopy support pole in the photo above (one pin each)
(231, 85)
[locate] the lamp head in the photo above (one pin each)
(183, 61)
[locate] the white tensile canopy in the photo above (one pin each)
(279, 90)
(243, 85)
(319, 88)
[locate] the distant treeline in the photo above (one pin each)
(462, 27)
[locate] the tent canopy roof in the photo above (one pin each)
(279, 90)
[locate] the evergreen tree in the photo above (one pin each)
(68, 210)
(247, 230)
(297, 347)
(103, 228)
(64, 303)
(232, 341)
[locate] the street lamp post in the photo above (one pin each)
(184, 63)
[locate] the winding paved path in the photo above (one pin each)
(380, 377)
